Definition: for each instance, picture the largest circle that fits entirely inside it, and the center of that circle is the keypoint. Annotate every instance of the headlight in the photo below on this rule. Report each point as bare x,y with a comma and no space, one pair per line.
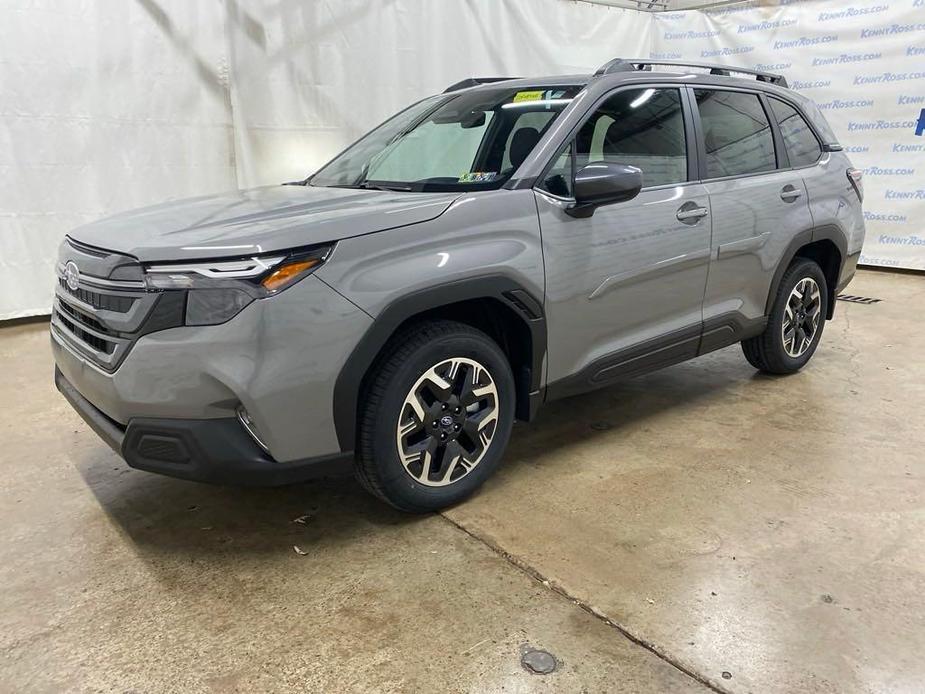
220,289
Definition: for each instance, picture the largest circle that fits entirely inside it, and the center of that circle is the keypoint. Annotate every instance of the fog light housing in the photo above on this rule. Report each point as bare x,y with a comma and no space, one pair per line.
251,428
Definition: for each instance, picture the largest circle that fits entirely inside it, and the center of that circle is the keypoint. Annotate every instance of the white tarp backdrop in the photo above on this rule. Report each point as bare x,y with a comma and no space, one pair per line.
107,105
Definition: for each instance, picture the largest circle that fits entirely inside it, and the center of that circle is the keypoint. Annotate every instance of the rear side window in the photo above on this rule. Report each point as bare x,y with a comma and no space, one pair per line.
736,132
638,127
802,146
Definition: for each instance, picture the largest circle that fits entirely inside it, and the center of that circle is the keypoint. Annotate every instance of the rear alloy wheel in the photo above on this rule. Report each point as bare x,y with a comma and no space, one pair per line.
801,317
796,321
435,417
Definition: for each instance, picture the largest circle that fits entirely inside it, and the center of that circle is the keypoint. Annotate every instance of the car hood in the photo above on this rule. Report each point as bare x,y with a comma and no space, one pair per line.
259,220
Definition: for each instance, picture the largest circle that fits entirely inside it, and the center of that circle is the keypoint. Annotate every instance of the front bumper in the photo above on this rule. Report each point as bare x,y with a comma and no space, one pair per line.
217,451
279,358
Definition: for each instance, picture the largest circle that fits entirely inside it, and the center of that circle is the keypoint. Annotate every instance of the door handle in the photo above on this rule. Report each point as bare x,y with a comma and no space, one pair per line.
789,194
686,214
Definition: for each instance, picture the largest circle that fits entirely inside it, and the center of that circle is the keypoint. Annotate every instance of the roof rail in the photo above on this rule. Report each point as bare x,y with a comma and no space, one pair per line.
645,64
474,82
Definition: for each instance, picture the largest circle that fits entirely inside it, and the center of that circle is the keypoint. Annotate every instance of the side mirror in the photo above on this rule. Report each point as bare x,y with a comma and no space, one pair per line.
601,183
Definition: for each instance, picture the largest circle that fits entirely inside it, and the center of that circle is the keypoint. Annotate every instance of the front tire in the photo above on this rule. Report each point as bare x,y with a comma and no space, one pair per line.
795,325
436,417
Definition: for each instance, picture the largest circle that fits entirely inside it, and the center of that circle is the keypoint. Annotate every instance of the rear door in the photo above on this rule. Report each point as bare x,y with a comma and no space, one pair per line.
624,287
758,205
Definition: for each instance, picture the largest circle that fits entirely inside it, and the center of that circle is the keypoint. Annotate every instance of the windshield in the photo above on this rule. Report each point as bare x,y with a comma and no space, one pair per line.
469,141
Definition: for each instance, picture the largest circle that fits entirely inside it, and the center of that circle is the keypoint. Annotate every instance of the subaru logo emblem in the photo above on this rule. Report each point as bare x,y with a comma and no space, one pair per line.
446,420
71,275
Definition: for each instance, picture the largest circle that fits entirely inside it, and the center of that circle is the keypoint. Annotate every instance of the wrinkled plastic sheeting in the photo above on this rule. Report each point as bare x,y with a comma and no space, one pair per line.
311,77
105,105
112,104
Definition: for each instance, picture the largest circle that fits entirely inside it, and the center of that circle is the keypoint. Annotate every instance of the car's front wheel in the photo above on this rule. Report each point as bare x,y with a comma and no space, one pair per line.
796,321
435,417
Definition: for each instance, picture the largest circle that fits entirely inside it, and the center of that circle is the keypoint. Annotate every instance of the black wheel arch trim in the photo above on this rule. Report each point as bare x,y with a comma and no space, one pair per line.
804,238
494,286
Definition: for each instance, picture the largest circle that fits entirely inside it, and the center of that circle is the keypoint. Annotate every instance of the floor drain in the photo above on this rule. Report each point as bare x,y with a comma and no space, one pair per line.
538,662
858,299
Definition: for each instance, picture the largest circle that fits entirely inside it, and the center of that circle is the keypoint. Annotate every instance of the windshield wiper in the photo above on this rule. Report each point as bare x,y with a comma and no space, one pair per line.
366,185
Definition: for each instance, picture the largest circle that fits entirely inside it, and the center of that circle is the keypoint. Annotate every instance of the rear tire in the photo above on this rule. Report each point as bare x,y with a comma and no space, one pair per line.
435,417
796,322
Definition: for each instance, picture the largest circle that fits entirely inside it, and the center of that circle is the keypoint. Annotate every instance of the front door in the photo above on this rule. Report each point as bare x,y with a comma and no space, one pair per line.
624,287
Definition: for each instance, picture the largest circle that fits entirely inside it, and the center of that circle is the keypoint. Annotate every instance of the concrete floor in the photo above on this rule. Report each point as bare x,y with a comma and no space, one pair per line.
703,528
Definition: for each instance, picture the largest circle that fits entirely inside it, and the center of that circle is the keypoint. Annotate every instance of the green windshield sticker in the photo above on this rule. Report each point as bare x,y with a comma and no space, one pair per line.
478,177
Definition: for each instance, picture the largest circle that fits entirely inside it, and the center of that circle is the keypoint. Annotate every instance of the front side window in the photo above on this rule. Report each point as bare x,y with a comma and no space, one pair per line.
802,146
560,177
637,127
457,142
736,132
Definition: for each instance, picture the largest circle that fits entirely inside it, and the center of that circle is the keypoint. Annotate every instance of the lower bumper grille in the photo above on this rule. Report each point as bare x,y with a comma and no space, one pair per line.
98,344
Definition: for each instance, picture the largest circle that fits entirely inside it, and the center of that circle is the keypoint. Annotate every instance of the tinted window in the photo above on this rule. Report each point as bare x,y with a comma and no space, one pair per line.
558,180
802,146
639,127
736,132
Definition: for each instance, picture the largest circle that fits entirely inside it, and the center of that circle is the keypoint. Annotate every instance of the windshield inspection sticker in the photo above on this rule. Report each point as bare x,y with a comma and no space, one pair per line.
528,96
478,177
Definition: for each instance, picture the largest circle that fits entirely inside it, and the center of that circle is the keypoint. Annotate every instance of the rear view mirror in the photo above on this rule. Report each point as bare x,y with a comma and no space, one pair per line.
476,119
602,183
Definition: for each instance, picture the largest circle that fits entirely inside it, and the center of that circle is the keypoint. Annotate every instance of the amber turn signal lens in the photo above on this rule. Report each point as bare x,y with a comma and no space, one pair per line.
289,272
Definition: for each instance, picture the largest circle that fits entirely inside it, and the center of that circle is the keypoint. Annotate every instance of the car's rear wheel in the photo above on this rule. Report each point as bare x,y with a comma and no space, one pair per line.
436,416
795,325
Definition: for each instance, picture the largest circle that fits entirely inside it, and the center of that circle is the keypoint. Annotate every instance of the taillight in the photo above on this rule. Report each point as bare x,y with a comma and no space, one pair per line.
855,176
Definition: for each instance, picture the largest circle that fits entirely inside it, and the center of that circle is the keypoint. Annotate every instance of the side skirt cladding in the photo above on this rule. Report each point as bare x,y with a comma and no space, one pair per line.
658,353
515,300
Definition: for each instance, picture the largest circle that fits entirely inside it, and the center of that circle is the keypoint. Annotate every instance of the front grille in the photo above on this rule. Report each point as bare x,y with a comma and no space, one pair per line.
105,302
109,309
97,343
76,316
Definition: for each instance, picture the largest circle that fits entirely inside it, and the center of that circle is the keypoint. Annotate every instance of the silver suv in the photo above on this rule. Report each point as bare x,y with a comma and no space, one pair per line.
486,250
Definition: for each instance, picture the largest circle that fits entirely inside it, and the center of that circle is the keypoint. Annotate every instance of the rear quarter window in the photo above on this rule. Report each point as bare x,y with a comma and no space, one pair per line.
803,148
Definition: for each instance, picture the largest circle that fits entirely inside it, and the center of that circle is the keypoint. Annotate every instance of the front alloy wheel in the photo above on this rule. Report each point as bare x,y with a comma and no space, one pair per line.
435,417
448,421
